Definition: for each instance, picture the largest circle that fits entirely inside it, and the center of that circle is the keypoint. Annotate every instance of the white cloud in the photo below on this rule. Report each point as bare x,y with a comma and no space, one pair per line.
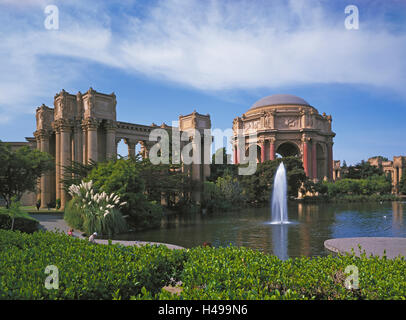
208,45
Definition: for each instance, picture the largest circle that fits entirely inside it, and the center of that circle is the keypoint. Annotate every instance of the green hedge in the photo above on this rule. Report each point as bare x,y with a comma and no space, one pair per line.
240,273
86,270
89,271
23,223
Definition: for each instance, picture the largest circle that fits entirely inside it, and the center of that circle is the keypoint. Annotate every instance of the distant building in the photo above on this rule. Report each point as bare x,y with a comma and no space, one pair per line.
394,169
289,126
83,127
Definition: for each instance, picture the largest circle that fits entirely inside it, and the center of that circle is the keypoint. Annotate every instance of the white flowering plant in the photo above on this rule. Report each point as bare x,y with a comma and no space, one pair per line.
100,212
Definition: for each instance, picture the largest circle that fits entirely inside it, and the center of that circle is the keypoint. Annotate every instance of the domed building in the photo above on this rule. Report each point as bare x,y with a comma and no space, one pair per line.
286,125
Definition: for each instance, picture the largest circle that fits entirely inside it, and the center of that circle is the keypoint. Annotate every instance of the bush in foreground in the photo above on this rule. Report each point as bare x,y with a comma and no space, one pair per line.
86,270
90,211
89,271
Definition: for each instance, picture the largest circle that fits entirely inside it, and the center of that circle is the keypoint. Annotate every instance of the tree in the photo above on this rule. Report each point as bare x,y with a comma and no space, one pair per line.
14,210
221,169
76,172
20,170
123,178
258,186
402,184
165,180
362,170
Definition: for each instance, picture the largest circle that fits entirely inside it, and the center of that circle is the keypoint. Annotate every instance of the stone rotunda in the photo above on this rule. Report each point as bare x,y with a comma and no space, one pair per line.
286,125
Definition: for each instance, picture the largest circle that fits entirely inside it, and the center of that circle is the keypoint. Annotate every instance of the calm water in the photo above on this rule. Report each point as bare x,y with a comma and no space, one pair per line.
311,225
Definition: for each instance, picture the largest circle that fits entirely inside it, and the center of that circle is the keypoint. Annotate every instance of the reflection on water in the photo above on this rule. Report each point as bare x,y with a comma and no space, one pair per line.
280,241
314,223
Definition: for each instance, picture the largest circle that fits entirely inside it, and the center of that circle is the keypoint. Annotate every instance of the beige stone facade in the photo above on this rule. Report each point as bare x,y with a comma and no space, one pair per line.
289,126
83,127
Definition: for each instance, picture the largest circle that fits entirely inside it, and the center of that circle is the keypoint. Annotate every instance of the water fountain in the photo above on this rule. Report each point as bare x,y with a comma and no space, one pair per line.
279,203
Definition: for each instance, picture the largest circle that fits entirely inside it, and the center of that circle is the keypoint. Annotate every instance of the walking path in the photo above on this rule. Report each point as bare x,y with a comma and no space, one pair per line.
372,245
55,222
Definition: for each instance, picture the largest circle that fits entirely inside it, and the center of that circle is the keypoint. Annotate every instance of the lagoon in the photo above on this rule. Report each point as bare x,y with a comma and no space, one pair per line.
312,224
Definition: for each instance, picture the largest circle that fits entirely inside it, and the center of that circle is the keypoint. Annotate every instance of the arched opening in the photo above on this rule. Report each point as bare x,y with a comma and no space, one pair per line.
138,148
321,162
287,149
122,149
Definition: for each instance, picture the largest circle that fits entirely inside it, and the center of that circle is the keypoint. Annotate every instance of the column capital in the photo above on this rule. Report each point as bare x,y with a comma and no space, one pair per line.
330,142
62,125
42,134
130,142
90,124
271,139
110,125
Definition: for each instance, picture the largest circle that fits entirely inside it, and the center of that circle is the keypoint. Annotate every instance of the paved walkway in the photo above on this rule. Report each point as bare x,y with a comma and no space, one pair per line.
55,222
372,245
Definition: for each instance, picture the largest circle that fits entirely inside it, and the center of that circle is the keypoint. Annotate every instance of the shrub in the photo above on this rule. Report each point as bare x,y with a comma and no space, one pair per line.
123,178
240,274
73,214
86,270
89,271
95,212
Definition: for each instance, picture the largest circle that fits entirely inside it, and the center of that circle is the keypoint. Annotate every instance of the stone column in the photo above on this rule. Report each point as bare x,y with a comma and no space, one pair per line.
262,151
66,155
111,147
77,144
330,160
92,147
314,159
57,163
84,143
38,140
272,149
131,147
395,176
306,155
45,178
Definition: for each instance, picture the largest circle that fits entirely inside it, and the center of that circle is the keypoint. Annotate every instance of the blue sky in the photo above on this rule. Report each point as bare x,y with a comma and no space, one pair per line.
166,58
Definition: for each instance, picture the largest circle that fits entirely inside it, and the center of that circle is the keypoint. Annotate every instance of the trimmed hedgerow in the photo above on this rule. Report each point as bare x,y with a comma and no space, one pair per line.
86,270
89,271
240,273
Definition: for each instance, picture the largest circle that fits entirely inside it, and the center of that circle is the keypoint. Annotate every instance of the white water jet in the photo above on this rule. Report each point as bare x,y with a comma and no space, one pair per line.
279,202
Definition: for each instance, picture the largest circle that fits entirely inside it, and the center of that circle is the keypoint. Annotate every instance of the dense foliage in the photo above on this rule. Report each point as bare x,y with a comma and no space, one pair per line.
257,187
372,185
75,172
402,184
223,195
90,271
90,211
361,170
123,178
165,182
20,169
86,270
240,273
